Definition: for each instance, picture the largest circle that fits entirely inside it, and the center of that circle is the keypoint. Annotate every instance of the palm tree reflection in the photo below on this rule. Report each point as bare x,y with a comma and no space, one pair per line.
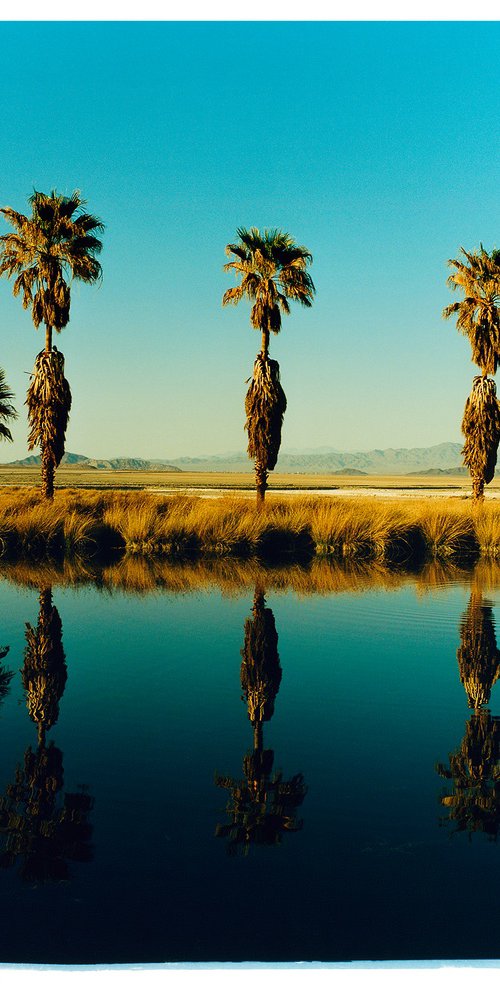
474,804
43,826
44,673
262,805
5,674
478,656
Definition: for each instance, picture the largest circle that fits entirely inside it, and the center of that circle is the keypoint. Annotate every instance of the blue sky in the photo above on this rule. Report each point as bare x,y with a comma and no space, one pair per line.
373,144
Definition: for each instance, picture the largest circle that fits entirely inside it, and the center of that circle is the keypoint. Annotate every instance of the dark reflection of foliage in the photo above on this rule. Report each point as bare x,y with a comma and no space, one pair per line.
262,805
42,825
44,673
478,656
5,674
44,834
474,804
260,669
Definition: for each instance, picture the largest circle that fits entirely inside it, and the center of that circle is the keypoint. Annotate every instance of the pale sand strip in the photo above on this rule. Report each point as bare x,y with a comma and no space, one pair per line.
387,493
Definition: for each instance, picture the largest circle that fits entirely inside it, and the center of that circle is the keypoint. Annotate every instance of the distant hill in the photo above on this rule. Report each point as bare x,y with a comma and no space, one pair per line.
454,471
383,461
349,472
443,458
73,459
69,458
130,464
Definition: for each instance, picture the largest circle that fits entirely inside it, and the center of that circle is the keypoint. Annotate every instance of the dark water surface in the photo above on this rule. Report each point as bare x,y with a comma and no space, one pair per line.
226,778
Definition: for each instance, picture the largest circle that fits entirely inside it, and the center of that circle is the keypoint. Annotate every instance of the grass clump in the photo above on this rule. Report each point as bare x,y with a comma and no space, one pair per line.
85,523
448,530
361,529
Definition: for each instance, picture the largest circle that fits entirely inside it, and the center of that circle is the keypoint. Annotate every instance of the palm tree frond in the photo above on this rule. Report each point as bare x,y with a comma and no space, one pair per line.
57,240
7,410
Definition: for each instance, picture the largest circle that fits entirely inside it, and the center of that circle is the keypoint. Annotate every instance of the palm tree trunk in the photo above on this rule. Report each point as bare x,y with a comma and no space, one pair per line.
257,736
477,488
47,474
41,734
48,467
261,475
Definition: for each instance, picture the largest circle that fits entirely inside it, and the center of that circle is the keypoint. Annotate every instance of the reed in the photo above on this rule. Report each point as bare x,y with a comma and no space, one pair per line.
448,529
83,523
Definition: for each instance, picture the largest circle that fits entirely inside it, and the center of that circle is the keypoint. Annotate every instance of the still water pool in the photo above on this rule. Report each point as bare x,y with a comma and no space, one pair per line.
259,775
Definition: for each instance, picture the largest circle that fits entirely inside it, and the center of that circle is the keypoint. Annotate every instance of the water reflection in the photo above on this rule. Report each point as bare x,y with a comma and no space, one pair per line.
43,827
262,805
144,575
5,673
474,804
478,656
44,673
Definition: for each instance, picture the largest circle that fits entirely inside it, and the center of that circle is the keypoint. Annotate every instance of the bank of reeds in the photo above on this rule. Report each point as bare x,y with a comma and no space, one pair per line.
85,524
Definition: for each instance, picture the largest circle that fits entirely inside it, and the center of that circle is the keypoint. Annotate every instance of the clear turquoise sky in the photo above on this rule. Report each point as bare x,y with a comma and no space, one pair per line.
374,144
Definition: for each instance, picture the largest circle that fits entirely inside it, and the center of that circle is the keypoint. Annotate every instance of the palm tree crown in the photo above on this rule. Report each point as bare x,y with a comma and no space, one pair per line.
273,271
7,410
57,241
478,314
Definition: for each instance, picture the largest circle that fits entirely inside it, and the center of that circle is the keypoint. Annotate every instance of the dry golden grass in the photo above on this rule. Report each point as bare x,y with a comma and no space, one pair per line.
82,523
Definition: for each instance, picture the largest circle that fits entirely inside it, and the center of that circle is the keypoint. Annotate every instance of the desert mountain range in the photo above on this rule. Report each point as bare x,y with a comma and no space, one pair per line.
444,458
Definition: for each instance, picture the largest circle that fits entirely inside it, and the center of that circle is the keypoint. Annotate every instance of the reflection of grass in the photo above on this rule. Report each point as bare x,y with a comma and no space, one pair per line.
232,576
80,522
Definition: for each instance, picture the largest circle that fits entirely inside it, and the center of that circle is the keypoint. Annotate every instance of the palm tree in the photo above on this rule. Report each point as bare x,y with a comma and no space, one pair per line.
272,268
7,410
55,243
478,318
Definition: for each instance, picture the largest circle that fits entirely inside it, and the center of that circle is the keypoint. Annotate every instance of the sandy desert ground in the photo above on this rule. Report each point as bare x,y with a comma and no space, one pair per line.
216,484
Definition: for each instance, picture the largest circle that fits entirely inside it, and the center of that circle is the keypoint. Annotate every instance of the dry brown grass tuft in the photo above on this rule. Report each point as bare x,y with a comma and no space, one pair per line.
448,527
80,523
